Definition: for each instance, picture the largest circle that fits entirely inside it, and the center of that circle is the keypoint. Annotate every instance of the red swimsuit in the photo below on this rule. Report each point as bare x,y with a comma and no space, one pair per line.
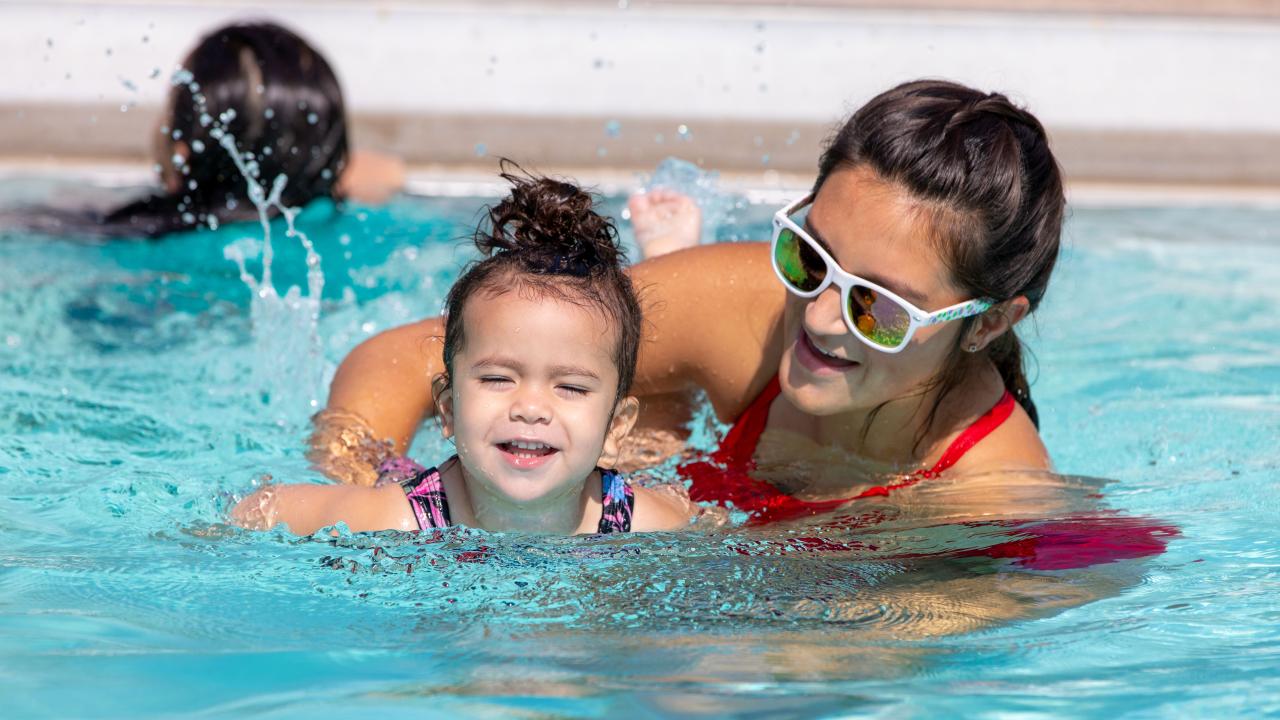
1044,545
726,476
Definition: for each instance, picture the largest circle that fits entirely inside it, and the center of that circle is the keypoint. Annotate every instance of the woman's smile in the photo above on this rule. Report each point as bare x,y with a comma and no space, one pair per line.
815,359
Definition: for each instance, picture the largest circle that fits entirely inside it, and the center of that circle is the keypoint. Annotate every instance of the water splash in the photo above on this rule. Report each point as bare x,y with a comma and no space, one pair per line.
288,359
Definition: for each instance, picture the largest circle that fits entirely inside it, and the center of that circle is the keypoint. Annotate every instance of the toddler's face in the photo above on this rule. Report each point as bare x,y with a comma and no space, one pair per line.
532,395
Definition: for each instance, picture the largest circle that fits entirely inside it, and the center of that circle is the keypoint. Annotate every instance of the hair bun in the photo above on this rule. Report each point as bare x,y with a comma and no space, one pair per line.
551,225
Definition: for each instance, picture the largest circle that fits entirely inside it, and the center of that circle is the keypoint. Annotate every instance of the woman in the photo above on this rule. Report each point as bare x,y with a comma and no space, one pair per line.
280,100
874,334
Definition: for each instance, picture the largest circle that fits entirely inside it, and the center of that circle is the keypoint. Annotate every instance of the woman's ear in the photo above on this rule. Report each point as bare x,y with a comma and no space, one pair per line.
996,321
625,414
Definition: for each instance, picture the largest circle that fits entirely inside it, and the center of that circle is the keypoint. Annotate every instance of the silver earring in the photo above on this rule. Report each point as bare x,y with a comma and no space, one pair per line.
973,347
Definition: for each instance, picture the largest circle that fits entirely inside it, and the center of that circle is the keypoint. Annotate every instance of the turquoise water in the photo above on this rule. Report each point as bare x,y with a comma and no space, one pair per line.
131,409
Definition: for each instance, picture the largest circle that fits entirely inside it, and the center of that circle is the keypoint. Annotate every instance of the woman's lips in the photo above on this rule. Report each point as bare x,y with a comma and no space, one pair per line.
813,359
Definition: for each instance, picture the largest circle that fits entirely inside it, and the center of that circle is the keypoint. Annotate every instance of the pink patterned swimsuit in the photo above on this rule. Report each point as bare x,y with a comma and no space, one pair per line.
425,492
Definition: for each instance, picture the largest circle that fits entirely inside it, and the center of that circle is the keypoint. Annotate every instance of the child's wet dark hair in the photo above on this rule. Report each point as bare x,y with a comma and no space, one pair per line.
547,239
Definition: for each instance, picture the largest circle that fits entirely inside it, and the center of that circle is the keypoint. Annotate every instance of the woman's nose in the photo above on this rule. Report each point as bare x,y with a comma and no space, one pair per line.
824,315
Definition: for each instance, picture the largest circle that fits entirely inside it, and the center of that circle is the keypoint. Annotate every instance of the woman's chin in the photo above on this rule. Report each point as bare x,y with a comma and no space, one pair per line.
816,395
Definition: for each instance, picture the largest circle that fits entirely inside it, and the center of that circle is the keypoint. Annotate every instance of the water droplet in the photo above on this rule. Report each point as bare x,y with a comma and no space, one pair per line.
177,160
108,51
48,42
192,184
598,64
176,134
146,39
312,118
793,137
613,128
261,88
481,149
266,150
760,48
188,218
684,133
213,221
197,146
269,113
67,76
155,73
157,168
124,108
327,174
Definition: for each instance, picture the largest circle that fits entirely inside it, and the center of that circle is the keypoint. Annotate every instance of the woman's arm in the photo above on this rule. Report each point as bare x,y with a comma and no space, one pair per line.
712,321
307,508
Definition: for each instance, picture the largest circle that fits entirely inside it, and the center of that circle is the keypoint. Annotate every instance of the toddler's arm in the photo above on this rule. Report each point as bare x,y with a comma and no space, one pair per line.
661,509
307,508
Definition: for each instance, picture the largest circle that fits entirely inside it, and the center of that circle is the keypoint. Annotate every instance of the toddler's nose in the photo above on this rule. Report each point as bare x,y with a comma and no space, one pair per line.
530,407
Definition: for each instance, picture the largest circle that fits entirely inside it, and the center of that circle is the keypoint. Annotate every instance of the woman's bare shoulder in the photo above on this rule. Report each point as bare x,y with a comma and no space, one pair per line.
1015,445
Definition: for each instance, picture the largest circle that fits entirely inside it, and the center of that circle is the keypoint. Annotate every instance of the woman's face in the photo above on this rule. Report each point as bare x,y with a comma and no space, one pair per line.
875,230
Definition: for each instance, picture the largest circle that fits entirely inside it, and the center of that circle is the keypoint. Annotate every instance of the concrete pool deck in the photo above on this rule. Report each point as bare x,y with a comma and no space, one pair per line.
1143,99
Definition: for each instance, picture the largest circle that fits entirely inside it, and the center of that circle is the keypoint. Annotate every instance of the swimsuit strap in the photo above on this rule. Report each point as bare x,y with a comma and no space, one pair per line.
617,503
739,444
971,436
974,434
422,487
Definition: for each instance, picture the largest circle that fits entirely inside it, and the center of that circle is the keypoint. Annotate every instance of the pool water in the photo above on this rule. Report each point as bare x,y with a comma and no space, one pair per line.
133,407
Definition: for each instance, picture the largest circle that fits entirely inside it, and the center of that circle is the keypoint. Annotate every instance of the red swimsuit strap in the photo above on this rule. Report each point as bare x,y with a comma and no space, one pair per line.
739,444
974,434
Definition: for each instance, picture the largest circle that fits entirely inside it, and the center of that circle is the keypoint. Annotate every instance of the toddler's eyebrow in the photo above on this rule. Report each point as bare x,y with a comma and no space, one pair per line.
516,366
562,370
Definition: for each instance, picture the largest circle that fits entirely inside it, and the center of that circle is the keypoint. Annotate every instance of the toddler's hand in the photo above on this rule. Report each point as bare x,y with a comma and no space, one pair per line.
664,221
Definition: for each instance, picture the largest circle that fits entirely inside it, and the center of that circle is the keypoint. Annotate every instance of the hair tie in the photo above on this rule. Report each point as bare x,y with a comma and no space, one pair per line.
563,265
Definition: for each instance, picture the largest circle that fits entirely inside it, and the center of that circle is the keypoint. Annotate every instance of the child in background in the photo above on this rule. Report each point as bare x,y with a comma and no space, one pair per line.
540,345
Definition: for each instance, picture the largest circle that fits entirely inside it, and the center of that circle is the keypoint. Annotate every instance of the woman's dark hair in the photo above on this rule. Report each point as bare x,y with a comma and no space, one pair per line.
982,168
287,112
546,238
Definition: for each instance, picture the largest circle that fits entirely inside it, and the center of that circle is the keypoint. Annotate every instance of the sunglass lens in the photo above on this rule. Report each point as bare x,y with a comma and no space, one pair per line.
877,318
801,266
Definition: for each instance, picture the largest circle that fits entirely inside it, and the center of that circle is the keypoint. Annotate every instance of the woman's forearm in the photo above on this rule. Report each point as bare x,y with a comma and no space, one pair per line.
378,399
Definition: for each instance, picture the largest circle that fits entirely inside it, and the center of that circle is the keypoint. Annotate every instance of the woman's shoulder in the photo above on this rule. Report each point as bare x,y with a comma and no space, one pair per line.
1014,445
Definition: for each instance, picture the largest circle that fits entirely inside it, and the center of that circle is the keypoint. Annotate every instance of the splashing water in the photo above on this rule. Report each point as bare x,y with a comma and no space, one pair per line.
289,362
703,186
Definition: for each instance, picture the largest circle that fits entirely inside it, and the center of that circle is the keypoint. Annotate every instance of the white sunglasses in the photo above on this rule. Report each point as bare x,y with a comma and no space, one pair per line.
874,314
